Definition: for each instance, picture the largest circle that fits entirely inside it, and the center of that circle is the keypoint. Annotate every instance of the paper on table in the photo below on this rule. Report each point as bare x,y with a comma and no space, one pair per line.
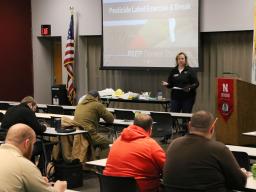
178,88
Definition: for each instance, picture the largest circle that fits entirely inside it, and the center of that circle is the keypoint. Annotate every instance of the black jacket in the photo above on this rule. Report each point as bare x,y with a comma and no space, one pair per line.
22,114
187,79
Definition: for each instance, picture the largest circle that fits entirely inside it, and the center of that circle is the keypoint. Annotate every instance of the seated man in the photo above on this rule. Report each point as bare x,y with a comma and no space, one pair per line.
17,172
195,163
88,114
25,113
136,154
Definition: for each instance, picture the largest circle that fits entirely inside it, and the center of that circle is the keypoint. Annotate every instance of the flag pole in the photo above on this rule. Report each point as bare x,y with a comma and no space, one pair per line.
69,59
71,9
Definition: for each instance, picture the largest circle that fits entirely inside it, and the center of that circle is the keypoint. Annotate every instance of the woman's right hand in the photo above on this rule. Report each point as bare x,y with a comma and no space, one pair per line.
164,83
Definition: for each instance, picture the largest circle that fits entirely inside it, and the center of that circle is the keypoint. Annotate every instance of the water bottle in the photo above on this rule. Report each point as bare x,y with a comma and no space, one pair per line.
159,95
55,100
56,122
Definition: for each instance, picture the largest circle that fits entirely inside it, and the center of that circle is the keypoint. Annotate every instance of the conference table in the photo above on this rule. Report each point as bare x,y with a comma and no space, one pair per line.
50,131
98,163
116,121
69,190
163,102
49,116
68,109
252,133
72,108
118,124
106,100
101,163
43,107
173,114
251,151
251,184
11,102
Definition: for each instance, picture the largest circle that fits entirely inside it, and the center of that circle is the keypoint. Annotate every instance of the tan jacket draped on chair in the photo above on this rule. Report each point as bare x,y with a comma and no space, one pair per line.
74,147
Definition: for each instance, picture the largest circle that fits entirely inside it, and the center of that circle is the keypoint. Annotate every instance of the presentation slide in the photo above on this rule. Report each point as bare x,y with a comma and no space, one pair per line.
149,33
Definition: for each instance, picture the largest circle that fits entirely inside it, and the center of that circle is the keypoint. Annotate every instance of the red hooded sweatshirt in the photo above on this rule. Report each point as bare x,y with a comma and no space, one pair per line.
136,154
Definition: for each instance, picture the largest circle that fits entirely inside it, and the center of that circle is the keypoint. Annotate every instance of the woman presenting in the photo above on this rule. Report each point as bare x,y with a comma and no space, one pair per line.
183,83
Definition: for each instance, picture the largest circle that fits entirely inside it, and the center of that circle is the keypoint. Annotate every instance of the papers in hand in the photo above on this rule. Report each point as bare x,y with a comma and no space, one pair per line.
177,88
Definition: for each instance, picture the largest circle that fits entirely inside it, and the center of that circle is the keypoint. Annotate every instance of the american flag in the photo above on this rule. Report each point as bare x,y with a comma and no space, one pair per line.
69,61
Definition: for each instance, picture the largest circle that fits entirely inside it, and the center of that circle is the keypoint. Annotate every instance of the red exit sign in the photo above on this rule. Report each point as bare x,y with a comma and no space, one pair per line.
45,30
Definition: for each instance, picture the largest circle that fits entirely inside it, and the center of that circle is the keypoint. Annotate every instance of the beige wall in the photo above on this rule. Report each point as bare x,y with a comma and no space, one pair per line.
222,52
56,13
88,17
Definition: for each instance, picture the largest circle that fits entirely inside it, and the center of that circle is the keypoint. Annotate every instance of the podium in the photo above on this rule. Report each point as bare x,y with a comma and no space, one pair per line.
236,110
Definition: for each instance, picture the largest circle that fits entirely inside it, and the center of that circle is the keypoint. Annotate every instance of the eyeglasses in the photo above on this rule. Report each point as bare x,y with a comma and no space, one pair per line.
214,122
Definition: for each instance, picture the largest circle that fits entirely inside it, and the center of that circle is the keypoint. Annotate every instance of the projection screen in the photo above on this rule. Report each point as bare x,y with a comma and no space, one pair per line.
149,33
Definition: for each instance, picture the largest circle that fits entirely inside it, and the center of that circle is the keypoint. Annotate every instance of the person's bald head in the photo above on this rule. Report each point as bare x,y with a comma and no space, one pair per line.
18,133
201,121
23,137
144,121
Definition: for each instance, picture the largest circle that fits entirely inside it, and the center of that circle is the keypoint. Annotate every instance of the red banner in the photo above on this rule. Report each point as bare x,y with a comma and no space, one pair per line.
225,97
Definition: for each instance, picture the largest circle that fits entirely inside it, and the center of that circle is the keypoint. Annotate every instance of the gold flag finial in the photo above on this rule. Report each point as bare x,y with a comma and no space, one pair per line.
71,8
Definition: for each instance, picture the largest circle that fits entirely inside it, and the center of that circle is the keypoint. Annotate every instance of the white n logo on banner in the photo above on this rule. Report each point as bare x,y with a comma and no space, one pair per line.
225,88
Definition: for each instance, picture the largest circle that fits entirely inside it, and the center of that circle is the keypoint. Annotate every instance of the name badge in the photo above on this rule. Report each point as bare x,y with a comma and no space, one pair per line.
176,75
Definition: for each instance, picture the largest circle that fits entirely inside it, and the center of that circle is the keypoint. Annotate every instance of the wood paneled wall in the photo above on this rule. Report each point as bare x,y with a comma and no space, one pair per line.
16,78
